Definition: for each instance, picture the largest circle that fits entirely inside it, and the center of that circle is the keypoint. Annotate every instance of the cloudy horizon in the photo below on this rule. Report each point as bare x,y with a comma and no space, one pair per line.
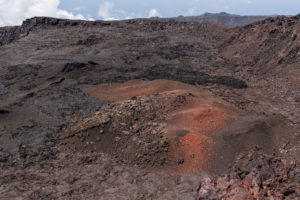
13,12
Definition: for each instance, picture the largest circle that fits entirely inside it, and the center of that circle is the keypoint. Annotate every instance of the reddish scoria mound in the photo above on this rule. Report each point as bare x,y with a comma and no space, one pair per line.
170,128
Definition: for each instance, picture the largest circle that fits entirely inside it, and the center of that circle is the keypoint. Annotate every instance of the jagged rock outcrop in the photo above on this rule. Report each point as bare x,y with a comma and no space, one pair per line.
265,178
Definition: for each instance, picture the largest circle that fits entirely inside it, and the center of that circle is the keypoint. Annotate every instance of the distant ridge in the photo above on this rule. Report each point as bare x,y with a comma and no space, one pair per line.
223,18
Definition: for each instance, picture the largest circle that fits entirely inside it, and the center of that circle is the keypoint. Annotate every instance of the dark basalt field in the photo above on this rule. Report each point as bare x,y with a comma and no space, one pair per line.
150,109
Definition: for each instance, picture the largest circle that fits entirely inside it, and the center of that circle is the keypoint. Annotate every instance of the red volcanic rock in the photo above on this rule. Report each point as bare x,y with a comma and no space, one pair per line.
265,178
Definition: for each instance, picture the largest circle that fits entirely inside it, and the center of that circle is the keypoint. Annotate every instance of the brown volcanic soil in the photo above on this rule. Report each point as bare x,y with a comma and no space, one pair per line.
141,109
129,89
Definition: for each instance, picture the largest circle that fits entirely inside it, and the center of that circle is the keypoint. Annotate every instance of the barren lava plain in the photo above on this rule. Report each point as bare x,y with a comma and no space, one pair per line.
150,109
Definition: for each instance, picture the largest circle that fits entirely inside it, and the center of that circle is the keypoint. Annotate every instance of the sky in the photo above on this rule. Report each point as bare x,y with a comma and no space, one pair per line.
13,12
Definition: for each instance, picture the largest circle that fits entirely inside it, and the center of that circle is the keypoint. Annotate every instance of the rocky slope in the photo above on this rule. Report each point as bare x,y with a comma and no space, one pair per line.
143,109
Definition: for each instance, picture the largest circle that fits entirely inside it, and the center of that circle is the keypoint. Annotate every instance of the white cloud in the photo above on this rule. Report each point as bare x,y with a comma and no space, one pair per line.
90,17
129,17
134,16
105,11
78,8
190,12
13,12
153,13
226,8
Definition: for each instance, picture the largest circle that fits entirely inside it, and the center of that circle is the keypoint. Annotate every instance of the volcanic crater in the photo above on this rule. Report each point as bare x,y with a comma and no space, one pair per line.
148,108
